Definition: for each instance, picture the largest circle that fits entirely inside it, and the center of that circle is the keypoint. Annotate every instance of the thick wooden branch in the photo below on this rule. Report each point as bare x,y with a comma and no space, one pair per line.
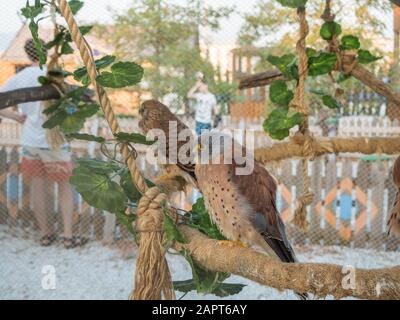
369,79
294,147
46,92
315,278
358,72
15,97
260,79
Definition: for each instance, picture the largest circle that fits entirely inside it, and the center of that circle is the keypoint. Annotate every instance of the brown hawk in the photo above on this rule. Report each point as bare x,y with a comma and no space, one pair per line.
242,206
155,115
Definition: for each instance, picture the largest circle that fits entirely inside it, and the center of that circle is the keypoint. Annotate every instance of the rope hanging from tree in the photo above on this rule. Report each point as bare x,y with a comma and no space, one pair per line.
299,104
152,277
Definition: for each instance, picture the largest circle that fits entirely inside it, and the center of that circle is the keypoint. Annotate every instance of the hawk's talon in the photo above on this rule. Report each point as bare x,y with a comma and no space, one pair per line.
231,243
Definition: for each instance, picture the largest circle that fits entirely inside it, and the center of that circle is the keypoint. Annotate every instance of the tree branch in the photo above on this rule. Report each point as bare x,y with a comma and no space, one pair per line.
369,79
294,147
46,92
358,72
15,97
316,278
260,79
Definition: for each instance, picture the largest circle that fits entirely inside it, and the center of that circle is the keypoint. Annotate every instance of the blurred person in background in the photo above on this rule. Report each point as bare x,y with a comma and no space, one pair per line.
41,164
205,104
174,102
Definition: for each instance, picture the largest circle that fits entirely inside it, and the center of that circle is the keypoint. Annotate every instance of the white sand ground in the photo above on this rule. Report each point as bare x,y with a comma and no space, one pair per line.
99,272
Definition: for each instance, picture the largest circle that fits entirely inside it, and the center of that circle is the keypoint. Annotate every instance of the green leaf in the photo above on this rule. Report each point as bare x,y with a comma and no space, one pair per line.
293,3
330,29
31,12
99,166
44,80
126,220
185,285
54,107
319,92
86,137
228,289
279,93
311,52
330,102
133,138
98,190
34,28
76,93
343,77
278,123
59,73
72,123
81,74
200,220
123,74
171,231
350,42
129,187
55,120
206,282
87,110
321,64
69,122
75,6
57,39
365,57
287,64
66,48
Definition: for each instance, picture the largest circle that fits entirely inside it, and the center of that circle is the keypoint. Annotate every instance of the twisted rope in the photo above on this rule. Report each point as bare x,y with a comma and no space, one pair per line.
152,277
153,258
299,104
105,103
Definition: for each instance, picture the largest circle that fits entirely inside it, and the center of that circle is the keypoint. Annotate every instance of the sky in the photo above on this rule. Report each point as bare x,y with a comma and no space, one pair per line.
97,11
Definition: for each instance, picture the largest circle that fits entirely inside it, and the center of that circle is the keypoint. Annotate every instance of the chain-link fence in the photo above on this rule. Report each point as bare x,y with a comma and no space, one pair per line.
40,210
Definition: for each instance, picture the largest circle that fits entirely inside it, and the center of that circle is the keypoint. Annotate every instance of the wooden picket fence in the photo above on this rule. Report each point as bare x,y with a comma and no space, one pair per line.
353,194
353,197
352,202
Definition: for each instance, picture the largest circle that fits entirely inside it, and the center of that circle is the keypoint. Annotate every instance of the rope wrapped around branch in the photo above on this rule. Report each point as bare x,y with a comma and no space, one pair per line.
151,243
318,147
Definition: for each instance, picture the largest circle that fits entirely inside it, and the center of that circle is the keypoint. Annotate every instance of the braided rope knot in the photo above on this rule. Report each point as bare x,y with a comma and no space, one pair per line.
152,277
311,147
300,215
310,152
150,211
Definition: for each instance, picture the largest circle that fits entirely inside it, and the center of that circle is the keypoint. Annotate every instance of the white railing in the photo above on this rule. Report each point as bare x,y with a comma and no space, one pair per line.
368,126
351,126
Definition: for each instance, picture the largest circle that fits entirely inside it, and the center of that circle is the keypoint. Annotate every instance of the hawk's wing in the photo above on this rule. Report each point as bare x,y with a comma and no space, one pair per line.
259,189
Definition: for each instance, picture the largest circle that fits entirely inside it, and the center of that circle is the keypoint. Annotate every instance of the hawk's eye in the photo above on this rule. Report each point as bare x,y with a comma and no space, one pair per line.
141,111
